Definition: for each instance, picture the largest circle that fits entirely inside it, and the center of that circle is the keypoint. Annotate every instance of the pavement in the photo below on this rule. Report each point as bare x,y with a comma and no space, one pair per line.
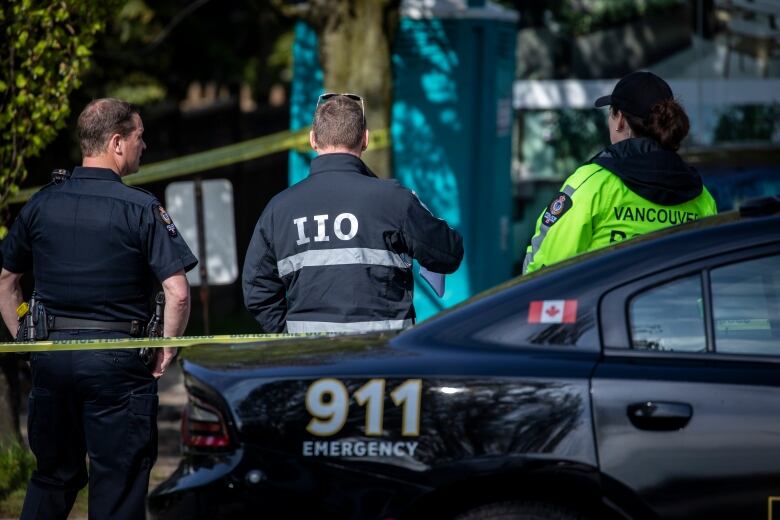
173,398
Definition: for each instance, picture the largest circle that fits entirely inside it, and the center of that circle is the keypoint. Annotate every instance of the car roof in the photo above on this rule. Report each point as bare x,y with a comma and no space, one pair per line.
648,253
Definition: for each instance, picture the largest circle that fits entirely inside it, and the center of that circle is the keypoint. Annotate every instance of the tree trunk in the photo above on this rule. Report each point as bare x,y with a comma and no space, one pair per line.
355,40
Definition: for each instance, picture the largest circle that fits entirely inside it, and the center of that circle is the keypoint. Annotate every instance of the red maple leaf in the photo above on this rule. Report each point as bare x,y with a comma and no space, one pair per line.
552,311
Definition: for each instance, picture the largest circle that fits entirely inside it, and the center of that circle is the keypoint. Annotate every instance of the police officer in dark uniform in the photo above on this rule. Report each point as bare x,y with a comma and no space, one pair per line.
333,253
97,249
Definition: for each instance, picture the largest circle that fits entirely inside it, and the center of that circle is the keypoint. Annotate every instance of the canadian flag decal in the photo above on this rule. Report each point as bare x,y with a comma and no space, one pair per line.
552,311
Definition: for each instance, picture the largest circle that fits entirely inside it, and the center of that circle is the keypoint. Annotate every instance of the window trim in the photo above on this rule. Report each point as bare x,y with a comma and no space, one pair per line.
619,352
613,309
709,323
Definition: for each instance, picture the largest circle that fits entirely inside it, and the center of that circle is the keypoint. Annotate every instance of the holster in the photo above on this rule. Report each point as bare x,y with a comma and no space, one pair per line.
34,326
154,329
40,321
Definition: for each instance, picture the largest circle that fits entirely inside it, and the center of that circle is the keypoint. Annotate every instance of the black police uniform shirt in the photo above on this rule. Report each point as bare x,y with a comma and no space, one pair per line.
332,253
96,247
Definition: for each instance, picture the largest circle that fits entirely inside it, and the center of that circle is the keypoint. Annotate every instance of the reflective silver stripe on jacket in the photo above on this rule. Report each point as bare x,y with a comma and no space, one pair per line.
357,326
344,256
536,241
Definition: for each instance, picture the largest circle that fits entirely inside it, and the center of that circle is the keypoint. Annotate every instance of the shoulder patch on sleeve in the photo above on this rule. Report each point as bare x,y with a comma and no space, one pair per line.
165,219
555,210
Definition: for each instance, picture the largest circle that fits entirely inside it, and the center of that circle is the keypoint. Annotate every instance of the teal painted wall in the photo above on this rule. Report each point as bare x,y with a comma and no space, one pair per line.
306,88
451,133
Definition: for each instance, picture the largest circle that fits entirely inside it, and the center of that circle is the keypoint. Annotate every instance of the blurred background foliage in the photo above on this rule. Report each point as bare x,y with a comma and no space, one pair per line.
749,123
48,51
557,142
153,51
577,17
16,466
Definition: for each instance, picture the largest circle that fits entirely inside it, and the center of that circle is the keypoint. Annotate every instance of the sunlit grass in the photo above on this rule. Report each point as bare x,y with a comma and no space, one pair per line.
16,466
11,506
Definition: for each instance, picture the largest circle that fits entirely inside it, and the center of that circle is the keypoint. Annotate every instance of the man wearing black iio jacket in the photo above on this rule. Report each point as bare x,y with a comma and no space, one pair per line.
333,252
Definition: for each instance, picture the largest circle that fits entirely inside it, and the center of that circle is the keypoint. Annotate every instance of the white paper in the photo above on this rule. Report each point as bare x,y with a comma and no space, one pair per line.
435,280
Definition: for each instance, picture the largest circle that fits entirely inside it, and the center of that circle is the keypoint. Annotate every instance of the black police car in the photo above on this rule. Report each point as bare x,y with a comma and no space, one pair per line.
639,382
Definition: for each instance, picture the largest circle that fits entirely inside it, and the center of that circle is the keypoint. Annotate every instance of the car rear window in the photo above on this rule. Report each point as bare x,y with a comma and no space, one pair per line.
746,307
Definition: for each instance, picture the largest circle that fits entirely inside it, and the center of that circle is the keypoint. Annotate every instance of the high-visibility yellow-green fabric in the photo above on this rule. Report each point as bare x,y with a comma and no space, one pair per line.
602,210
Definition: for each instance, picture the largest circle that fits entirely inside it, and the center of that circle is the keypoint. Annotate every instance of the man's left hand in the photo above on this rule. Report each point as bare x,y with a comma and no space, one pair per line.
164,357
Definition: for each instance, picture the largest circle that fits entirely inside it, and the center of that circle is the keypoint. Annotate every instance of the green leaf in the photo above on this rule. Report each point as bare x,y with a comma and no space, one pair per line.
40,47
21,81
3,86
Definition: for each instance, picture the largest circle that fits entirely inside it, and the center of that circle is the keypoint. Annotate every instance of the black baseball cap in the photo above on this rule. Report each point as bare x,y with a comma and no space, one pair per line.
636,93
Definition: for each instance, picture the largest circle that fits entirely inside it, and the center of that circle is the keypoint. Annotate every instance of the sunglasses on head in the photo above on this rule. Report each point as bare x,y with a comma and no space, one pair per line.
354,97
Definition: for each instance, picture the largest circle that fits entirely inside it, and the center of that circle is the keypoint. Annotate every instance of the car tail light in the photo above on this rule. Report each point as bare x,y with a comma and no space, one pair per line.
203,426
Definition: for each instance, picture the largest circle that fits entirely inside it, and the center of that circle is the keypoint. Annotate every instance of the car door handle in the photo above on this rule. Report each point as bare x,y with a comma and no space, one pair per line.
660,415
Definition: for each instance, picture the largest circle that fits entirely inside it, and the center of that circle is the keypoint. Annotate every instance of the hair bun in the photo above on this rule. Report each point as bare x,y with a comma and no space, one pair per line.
668,124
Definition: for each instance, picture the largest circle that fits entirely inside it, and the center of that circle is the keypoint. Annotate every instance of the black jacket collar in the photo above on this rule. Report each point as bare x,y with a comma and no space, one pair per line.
103,174
339,162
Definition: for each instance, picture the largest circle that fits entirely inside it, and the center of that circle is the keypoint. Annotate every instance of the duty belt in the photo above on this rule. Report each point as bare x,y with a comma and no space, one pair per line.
135,328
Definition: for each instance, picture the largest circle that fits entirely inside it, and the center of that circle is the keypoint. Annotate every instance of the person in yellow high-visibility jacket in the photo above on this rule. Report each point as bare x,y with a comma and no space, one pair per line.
637,185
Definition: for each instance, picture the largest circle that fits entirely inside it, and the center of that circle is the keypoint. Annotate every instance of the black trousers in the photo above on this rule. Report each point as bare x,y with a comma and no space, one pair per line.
101,403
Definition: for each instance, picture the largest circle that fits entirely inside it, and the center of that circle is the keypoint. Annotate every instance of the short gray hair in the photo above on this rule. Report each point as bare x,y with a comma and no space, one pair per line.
339,122
100,120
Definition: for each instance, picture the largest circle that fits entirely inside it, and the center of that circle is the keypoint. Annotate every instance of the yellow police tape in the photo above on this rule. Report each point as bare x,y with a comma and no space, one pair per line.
182,341
222,156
